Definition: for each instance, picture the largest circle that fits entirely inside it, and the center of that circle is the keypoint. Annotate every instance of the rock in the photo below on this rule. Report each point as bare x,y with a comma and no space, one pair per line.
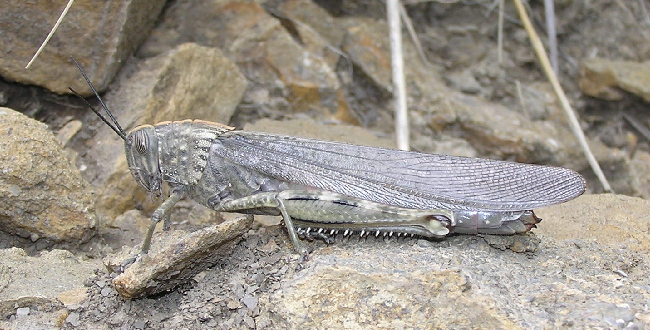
540,103
318,30
189,82
523,243
367,45
618,169
127,229
504,134
100,37
22,312
603,78
37,282
304,79
464,81
175,258
607,220
41,193
641,177
349,290
65,134
73,298
310,129
463,48
73,319
310,83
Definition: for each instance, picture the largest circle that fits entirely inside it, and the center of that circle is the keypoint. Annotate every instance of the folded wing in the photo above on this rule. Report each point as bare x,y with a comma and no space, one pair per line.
402,178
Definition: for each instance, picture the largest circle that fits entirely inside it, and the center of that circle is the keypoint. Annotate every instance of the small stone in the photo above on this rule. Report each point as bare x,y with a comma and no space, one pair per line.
176,257
41,195
604,78
250,322
250,301
73,319
107,291
423,243
231,304
140,324
72,299
22,311
68,131
464,81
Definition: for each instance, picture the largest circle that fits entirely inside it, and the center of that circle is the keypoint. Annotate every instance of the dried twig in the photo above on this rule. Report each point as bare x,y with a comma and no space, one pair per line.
522,100
399,85
500,31
564,101
56,26
549,6
411,30
637,126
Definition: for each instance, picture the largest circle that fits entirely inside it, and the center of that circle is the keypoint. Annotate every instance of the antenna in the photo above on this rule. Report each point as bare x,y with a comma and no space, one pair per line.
113,124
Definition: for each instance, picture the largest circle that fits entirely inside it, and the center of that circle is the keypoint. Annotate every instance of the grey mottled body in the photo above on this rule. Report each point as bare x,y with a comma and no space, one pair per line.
331,186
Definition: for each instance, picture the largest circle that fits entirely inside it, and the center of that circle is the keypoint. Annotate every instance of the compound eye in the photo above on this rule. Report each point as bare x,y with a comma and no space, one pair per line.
141,142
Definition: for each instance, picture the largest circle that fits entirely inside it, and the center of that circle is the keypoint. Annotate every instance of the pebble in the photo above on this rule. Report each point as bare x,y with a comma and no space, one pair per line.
140,324
73,319
250,301
107,291
22,311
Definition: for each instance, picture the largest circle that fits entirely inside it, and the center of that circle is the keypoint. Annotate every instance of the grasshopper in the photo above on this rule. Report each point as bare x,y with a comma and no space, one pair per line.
320,188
